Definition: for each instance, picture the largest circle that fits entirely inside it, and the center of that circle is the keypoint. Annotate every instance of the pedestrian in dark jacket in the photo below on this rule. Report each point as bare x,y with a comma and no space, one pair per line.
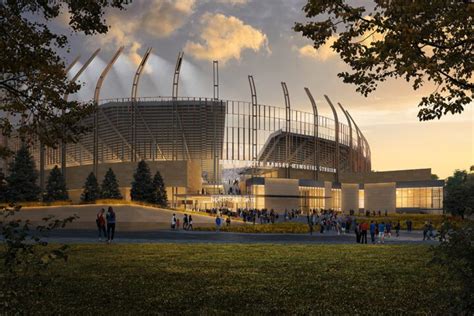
100,221
111,219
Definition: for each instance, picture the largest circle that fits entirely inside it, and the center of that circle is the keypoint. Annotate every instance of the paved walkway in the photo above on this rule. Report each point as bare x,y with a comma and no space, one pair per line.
167,236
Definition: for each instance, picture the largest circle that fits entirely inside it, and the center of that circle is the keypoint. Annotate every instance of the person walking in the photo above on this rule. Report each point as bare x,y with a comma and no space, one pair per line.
190,222
100,221
382,233
372,231
227,221
397,229
310,224
185,222
363,232
111,219
173,221
425,230
218,223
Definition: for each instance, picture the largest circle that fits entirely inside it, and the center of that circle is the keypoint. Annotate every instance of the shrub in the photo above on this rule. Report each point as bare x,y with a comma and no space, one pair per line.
91,190
56,187
110,186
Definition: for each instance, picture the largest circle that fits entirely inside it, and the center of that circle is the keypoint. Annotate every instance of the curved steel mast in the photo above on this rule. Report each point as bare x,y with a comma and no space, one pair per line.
336,121
316,134
288,127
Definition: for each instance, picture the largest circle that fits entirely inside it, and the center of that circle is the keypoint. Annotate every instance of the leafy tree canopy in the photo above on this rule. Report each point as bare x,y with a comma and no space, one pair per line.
33,79
110,186
56,189
460,193
420,41
22,178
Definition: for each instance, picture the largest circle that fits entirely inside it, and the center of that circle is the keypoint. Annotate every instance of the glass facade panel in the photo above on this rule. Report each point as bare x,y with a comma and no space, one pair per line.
423,198
311,198
336,199
258,192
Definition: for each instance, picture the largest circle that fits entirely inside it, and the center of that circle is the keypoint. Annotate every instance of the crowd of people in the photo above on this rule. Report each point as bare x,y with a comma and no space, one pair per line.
187,222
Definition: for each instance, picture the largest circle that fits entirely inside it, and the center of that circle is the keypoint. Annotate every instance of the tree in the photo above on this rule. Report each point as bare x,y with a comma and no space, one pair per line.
91,190
110,187
22,177
56,187
459,189
33,80
420,41
142,185
3,187
160,190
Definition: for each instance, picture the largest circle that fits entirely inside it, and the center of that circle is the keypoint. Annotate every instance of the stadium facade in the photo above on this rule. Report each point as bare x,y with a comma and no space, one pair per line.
220,153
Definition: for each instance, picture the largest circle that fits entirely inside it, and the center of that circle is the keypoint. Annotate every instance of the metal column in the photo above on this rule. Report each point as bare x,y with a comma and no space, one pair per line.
215,76
174,94
66,97
136,80
359,139
288,127
351,167
253,93
337,154
96,114
316,134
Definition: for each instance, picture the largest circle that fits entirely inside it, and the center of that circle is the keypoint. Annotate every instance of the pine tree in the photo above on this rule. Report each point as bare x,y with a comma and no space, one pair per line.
110,187
3,187
159,189
91,189
56,187
22,178
142,185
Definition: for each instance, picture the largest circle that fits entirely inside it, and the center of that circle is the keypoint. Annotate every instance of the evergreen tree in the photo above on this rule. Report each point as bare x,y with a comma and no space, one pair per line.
159,189
3,187
56,187
22,178
142,185
91,189
110,187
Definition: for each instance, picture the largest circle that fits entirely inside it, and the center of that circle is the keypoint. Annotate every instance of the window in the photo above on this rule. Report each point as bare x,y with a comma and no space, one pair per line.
311,198
423,198
361,199
336,199
258,191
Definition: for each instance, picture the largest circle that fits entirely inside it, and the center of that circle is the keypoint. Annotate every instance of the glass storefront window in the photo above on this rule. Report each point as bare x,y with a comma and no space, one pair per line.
361,199
311,198
336,199
423,198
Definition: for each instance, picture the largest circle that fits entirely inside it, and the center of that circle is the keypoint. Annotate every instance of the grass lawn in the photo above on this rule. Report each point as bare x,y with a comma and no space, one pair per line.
243,279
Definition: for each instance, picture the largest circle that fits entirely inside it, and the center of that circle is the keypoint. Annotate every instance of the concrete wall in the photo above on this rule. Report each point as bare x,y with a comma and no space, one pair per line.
380,196
387,176
287,188
183,174
349,197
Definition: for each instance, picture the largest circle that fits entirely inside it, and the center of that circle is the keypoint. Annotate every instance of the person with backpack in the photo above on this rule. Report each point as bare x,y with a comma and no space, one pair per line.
218,223
100,221
111,219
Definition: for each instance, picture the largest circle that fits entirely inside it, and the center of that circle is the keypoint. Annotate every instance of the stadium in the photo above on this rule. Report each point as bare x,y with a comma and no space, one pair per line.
214,152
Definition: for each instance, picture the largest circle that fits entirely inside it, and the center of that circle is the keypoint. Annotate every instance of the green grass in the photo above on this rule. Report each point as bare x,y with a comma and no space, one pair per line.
243,279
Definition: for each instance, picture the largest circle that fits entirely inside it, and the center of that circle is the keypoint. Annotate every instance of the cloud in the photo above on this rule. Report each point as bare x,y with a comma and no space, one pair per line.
323,53
158,19
233,2
224,38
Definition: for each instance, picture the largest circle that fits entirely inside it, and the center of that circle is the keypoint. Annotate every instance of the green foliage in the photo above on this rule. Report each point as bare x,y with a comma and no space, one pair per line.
419,41
33,74
91,190
161,197
110,186
142,185
459,189
26,258
3,187
456,253
56,187
22,178
246,279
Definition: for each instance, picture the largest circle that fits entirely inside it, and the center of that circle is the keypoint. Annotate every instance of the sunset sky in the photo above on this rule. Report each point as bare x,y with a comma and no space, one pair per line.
256,37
